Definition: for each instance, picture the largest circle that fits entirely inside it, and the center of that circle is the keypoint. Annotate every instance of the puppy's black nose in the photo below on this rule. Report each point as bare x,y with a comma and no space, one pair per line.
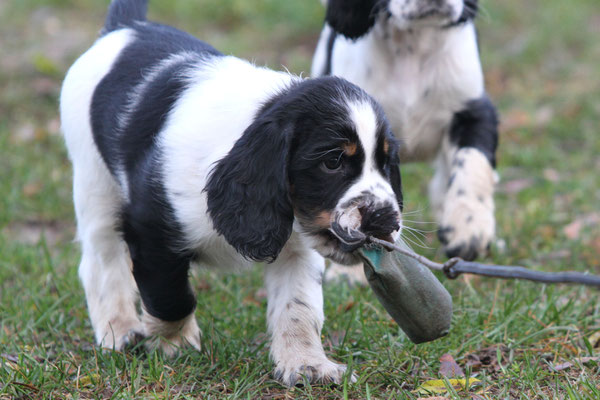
379,221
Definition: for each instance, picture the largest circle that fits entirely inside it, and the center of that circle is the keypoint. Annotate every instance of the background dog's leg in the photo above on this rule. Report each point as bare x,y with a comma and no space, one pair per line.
105,268
295,318
462,191
168,302
467,223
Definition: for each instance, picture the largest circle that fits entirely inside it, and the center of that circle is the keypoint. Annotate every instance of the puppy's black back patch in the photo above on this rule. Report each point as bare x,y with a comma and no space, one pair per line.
132,102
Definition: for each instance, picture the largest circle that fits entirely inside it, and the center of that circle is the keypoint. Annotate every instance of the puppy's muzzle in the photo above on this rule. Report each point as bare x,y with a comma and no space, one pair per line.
353,226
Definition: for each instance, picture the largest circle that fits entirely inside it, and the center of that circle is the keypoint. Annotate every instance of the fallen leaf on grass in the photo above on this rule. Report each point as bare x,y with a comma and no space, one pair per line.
594,339
573,230
569,364
342,308
439,385
10,357
552,175
88,380
515,119
487,358
516,185
261,293
433,398
45,65
203,286
449,368
32,188
595,244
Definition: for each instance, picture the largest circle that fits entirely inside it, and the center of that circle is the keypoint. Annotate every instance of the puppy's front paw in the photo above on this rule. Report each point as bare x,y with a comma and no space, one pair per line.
120,333
323,371
170,336
468,225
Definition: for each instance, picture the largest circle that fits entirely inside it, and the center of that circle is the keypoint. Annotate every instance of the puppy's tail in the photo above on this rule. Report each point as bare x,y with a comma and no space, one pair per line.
123,13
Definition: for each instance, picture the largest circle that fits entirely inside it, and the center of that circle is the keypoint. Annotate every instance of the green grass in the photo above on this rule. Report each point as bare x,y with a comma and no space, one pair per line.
541,60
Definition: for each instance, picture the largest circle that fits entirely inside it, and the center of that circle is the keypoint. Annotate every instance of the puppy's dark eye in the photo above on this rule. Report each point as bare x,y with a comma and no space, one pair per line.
333,164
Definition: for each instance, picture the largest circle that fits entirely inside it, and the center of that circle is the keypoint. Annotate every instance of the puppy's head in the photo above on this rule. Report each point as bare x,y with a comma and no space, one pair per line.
354,18
318,154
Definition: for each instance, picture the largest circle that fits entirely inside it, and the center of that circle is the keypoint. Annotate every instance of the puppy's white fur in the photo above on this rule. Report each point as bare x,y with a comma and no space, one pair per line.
105,268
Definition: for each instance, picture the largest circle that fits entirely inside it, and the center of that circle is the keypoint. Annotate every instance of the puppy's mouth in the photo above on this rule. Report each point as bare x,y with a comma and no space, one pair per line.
353,233
437,13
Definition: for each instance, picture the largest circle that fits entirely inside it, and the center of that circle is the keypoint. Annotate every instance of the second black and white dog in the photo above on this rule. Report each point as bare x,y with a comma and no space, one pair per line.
419,59
181,154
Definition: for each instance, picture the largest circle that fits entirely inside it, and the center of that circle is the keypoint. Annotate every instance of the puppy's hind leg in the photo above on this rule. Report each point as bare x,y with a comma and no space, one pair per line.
161,274
105,268
295,318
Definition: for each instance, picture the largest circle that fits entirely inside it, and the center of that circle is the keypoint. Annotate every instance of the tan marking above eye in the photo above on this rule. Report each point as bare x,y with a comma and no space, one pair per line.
349,148
386,146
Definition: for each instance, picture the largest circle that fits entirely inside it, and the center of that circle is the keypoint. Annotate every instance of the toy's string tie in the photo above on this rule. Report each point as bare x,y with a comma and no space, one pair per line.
454,267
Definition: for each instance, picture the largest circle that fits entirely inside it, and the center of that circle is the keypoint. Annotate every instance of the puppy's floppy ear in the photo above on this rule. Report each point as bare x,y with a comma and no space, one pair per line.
353,18
396,182
248,193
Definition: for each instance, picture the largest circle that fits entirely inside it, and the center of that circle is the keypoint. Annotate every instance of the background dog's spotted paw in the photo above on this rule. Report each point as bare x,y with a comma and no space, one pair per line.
467,230
467,222
324,372
468,251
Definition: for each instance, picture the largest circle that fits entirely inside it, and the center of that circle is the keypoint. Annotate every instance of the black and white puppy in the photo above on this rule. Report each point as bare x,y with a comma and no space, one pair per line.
181,155
419,59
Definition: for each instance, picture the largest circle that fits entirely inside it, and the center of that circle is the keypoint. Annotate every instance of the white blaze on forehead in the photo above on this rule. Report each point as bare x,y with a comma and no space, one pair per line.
365,123
371,180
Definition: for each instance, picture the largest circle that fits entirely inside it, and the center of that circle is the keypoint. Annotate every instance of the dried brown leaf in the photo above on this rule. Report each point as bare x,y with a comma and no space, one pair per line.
449,368
433,398
261,293
581,360
552,175
562,366
487,358
515,119
516,185
32,188
594,339
573,230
